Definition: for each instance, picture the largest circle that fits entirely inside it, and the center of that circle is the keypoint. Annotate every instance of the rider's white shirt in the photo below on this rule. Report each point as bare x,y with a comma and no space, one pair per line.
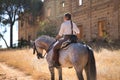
65,28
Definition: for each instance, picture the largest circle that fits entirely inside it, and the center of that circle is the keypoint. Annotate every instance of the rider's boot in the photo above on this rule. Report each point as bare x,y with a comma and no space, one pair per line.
56,59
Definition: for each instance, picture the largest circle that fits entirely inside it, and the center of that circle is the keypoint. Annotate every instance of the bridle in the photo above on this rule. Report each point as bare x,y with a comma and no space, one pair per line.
39,55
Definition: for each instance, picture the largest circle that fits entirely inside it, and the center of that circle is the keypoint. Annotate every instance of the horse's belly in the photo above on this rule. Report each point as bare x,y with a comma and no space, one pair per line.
66,64
64,60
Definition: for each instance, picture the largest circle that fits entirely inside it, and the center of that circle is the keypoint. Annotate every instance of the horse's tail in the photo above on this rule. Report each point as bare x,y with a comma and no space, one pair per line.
91,66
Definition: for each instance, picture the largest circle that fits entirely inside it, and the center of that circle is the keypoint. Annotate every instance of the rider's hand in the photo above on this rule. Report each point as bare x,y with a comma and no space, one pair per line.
57,37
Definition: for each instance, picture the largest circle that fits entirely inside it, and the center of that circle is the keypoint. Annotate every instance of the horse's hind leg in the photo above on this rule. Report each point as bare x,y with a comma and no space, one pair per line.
87,72
79,73
51,69
59,72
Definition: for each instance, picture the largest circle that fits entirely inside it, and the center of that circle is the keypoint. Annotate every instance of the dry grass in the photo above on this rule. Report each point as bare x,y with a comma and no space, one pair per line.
25,61
107,62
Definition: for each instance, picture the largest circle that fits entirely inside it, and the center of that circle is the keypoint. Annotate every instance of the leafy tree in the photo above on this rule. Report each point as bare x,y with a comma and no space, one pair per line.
47,28
13,10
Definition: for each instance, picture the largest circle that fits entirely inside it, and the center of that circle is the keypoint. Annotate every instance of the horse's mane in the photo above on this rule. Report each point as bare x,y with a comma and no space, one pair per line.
46,39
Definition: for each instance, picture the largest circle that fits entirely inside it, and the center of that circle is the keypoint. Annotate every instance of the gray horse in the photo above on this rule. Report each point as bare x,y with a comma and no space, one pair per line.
76,55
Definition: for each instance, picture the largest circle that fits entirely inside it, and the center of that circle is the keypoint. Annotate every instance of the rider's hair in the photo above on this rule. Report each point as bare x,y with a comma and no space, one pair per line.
68,16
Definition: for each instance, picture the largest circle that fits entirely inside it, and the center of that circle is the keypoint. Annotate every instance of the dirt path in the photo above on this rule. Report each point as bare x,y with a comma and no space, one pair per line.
10,73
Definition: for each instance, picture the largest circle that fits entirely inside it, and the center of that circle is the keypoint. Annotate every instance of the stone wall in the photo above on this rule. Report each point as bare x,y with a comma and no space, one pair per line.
88,15
91,17
27,31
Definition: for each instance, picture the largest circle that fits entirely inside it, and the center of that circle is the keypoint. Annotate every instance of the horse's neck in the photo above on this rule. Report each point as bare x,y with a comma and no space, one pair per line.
48,44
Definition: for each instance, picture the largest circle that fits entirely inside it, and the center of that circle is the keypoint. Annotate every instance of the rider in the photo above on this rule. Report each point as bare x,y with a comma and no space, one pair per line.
65,33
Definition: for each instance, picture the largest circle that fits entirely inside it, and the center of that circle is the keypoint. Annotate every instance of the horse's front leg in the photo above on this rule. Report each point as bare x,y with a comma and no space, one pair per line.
51,69
59,72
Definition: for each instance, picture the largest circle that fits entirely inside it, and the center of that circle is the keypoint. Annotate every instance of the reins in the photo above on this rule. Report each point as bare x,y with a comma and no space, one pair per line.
49,48
39,55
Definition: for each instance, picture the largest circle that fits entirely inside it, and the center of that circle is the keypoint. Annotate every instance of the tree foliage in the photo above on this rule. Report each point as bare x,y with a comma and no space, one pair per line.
10,11
48,28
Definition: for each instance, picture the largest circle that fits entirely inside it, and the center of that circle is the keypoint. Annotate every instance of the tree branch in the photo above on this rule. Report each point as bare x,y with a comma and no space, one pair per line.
15,13
3,18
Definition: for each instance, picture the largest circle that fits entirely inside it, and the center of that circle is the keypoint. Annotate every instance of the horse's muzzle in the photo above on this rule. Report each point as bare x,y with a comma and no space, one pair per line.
39,55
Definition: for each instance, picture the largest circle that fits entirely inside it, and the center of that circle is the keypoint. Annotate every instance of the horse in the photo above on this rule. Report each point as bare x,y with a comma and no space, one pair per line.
76,55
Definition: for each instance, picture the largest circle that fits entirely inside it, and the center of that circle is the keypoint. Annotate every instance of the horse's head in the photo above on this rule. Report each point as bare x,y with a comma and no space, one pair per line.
39,50
41,45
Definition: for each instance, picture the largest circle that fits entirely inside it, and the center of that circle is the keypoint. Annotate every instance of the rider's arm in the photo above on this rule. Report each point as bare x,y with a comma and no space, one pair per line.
77,31
60,32
78,36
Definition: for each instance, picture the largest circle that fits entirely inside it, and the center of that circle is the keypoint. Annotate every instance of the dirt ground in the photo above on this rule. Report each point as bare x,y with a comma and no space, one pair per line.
25,66
10,73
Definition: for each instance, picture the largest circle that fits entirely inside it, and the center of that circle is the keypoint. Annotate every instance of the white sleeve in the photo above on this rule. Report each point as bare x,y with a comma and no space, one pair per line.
61,30
76,30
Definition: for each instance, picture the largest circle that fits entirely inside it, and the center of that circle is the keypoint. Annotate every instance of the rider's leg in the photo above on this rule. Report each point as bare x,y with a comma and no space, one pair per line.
56,52
56,55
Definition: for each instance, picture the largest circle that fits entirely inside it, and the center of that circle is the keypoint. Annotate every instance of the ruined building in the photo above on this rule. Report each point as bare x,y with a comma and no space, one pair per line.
95,18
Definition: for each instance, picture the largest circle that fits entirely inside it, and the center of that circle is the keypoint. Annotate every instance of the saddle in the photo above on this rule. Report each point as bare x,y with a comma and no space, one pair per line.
65,44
